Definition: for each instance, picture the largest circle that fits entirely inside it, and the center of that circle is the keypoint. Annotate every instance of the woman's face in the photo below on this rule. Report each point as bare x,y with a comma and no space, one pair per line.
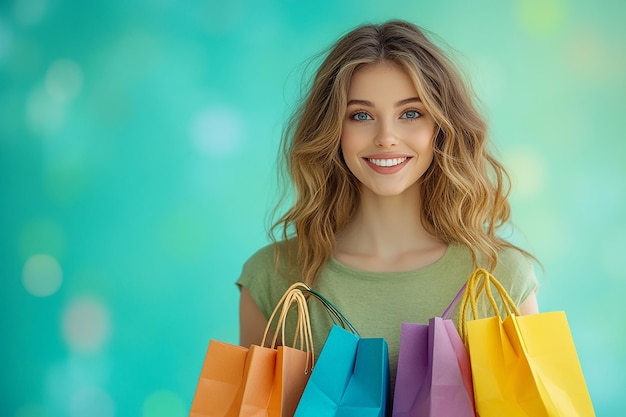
387,137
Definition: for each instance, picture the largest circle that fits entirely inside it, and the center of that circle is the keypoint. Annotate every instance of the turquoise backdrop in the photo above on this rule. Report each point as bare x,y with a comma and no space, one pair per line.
137,161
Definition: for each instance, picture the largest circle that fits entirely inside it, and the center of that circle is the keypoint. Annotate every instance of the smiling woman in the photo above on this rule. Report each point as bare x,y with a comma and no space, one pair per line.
398,198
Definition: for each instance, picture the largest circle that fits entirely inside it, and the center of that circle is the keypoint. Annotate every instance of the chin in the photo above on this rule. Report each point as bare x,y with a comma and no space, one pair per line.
391,192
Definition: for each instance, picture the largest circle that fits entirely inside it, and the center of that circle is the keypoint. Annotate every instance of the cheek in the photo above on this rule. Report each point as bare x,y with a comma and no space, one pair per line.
428,156
349,152
348,144
429,146
425,141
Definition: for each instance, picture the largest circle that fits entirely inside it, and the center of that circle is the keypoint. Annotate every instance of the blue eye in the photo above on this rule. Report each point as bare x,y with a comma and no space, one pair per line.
361,116
411,114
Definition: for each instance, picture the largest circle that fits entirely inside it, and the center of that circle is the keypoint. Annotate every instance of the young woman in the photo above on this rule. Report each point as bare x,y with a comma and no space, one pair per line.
397,197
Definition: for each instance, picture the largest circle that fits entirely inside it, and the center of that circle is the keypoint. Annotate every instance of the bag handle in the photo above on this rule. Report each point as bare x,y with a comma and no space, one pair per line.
303,334
481,280
334,312
448,312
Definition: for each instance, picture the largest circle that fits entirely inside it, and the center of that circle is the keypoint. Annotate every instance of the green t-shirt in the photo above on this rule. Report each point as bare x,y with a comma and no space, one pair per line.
377,303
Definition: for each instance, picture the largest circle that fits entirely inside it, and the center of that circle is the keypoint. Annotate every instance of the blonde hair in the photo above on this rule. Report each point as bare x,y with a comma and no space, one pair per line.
464,191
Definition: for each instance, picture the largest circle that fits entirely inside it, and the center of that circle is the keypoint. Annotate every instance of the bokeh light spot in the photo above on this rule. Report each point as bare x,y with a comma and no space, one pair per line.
527,170
31,410
86,325
541,17
44,115
92,402
6,40
220,17
42,275
589,55
217,132
64,80
29,12
41,235
163,403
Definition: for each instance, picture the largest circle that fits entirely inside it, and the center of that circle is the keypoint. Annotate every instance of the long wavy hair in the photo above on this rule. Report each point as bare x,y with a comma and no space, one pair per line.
464,191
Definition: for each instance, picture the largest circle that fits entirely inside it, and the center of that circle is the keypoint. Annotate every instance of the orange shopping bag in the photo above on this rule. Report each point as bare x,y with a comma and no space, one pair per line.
220,380
274,377
268,381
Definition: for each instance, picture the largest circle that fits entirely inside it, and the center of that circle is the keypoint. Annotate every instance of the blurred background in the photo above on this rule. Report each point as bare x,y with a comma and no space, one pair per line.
137,171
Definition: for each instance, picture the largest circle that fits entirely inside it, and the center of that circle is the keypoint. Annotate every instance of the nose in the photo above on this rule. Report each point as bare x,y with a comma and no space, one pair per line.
386,136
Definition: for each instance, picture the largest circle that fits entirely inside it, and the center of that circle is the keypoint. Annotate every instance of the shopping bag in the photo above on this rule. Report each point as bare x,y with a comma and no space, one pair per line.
522,365
220,379
274,377
434,377
262,380
350,378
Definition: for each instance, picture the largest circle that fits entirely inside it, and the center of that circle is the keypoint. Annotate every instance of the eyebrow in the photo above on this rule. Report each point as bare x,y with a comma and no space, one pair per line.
371,104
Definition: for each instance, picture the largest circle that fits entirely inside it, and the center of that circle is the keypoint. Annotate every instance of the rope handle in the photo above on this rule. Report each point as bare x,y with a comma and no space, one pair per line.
303,336
481,280
303,323
283,305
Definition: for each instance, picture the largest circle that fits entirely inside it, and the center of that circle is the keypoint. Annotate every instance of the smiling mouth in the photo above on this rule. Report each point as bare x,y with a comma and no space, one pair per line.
390,162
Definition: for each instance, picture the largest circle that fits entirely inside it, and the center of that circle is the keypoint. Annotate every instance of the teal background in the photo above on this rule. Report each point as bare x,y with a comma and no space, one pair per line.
137,161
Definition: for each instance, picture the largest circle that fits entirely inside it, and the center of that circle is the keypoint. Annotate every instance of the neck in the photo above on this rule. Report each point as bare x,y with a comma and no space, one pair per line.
386,226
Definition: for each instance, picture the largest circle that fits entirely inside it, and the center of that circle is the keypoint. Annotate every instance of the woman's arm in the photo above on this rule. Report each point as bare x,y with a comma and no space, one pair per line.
252,322
529,305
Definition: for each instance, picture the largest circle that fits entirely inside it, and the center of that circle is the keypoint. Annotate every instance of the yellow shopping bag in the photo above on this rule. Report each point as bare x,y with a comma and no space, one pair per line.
522,366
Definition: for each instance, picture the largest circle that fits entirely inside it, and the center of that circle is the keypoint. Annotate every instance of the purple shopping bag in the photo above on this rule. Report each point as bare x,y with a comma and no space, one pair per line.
434,377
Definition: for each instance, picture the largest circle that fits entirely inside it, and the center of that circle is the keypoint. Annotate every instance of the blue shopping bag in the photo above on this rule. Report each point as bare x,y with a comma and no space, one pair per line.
350,378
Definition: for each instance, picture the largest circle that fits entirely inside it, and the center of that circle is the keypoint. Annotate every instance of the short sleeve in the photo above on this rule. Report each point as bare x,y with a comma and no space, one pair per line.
260,277
516,273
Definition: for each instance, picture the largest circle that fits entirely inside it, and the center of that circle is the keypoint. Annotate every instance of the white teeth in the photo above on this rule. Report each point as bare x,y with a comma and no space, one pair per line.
387,162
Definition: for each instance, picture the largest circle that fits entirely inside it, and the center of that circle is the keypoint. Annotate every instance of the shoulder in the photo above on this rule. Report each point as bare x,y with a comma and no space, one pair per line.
265,275
516,272
512,261
273,256
262,257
